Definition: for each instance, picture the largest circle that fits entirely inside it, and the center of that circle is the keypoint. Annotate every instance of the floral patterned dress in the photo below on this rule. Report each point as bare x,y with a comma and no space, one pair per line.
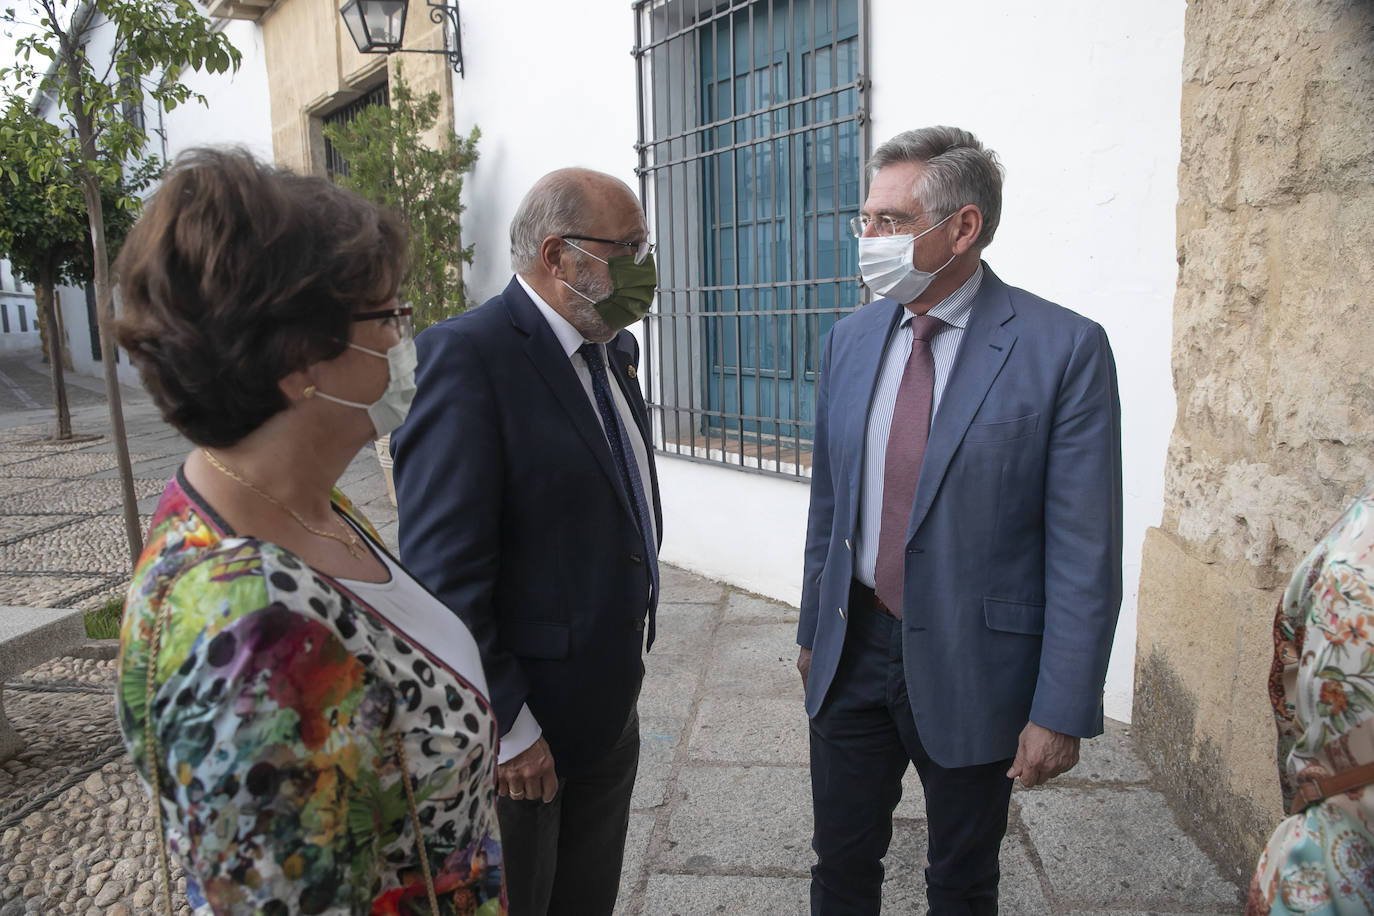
279,700
1321,861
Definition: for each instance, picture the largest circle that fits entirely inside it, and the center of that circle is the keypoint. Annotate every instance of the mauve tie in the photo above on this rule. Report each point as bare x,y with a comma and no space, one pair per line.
906,447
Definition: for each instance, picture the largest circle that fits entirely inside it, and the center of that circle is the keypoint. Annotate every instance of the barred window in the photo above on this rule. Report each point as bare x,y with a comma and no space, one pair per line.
752,139
335,164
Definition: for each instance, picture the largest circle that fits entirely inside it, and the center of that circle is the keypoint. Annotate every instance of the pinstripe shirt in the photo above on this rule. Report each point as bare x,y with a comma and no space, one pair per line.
954,312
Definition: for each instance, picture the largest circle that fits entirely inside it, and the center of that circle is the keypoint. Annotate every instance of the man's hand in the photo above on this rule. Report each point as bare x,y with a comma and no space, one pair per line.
804,665
1042,754
529,774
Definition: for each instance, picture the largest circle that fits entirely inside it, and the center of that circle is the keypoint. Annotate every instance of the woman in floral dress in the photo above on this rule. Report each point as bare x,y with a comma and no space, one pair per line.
312,723
1320,860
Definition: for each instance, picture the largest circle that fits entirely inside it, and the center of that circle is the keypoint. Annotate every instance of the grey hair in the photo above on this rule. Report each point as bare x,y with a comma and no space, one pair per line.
556,205
959,171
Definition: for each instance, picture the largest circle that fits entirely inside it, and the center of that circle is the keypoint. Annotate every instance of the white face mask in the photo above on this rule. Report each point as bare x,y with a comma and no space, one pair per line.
389,411
886,263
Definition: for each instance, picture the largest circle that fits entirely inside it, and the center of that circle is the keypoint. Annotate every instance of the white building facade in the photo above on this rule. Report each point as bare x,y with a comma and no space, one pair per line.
753,119
235,114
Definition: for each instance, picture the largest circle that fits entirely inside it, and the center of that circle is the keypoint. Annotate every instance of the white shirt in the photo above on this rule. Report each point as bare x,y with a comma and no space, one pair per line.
425,619
525,731
944,347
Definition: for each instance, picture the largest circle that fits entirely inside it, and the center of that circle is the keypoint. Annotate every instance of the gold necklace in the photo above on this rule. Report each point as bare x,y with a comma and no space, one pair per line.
353,544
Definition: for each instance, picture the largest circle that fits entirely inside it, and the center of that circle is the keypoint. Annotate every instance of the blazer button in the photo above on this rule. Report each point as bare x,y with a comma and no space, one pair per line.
639,626
636,558
841,610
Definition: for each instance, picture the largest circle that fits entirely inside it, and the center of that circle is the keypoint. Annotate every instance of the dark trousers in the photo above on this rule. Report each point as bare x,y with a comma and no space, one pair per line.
862,740
564,857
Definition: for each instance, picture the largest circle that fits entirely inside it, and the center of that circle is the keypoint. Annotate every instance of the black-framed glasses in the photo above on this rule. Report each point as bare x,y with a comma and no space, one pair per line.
642,249
401,315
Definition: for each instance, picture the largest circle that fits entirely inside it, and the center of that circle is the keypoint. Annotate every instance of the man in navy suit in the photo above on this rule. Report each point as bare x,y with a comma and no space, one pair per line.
528,504
963,551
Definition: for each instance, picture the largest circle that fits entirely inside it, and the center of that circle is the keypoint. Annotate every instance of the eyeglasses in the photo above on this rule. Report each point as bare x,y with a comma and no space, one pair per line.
882,225
399,318
642,249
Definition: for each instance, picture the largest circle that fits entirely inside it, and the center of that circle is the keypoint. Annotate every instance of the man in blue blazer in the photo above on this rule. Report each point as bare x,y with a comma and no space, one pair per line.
963,551
528,504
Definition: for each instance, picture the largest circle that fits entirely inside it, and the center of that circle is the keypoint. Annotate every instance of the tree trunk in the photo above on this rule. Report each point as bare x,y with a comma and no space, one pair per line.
104,302
43,295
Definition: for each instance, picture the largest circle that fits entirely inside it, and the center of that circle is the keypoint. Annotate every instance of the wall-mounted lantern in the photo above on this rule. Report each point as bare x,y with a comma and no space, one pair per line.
379,27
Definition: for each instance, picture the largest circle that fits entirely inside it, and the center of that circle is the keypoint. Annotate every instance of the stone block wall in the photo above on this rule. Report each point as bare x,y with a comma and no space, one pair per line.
313,68
1273,364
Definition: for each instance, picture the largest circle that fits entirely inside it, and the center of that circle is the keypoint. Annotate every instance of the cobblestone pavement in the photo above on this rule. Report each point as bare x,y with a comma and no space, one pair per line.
720,819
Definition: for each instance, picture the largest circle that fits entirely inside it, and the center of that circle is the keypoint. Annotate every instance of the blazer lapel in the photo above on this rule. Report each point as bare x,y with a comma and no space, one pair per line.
543,350
984,350
851,404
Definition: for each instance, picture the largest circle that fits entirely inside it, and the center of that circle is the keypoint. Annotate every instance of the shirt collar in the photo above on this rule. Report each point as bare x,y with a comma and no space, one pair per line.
955,308
568,337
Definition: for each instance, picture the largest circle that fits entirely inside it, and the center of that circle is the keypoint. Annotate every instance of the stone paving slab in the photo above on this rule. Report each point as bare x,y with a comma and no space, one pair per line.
1108,847
686,588
713,895
632,867
47,590
84,496
97,545
12,485
1108,758
904,883
37,438
658,742
66,465
744,608
17,526
739,729
62,733
740,818
683,628
670,685
756,660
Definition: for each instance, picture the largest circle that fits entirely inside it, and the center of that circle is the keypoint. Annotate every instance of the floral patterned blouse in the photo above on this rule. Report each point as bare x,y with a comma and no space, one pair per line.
1321,862
278,698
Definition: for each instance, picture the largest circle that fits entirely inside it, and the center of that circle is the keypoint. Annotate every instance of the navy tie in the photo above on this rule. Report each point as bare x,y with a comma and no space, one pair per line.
625,461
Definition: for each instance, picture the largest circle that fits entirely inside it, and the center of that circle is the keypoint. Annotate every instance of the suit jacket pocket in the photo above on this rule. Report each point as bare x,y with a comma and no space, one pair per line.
536,639
1014,616
1002,430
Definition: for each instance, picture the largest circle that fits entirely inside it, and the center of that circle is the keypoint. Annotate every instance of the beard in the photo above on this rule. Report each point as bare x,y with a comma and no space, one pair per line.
582,314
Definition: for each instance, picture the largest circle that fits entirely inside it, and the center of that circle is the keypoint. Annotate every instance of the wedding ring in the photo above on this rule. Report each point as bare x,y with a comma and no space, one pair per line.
517,797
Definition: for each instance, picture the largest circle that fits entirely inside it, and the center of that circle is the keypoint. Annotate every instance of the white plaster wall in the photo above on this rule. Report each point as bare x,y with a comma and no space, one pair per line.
1081,99
236,110
235,113
551,84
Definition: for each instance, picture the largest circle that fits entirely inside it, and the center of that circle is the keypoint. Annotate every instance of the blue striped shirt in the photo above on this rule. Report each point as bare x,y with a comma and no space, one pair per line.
944,347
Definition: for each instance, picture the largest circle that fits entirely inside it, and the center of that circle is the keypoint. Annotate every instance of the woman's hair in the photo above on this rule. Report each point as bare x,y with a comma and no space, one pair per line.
238,274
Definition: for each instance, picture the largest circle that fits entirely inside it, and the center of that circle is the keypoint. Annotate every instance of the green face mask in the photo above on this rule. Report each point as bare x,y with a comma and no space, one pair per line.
632,289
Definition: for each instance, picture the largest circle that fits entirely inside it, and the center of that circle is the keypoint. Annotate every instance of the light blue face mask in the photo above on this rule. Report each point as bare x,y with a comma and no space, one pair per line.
389,411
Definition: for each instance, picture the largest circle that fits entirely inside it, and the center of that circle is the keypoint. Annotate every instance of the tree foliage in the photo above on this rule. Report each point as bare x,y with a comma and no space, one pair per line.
44,230
99,62
390,163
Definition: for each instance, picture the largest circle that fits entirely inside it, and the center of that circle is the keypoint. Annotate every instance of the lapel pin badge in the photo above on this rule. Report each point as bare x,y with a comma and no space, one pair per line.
631,372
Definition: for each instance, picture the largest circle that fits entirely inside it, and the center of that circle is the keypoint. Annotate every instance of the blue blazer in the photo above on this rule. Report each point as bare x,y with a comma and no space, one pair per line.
1013,563
512,512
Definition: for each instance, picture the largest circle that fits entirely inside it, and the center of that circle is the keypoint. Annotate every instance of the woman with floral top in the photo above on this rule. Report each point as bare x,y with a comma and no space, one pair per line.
1320,860
315,723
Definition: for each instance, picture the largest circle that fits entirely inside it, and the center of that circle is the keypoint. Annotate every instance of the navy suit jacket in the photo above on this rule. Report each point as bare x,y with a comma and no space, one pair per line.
1013,562
513,513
